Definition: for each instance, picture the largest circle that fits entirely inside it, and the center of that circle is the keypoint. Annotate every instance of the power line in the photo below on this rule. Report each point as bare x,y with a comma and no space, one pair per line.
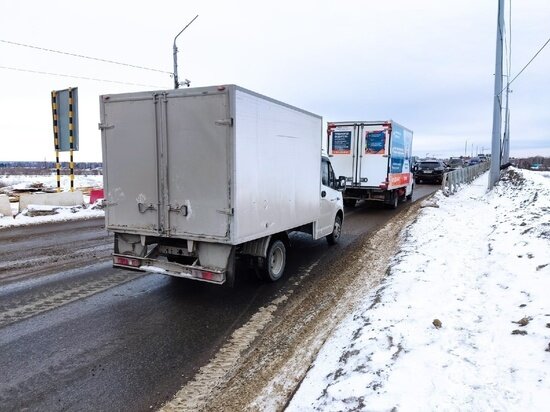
84,57
79,77
530,61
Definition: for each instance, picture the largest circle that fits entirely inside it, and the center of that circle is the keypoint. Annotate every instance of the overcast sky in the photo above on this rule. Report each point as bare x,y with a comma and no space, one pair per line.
427,64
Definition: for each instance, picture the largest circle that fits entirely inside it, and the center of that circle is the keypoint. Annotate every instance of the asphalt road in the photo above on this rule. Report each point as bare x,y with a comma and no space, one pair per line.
76,334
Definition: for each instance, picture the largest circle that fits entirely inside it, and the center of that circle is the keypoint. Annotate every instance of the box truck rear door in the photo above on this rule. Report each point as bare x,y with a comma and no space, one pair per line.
372,169
342,148
198,135
130,163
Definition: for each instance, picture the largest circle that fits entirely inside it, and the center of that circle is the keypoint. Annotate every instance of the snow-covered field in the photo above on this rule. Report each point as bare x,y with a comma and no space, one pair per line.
84,211
462,322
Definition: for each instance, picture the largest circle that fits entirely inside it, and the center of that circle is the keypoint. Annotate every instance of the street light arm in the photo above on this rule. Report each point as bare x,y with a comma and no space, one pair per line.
175,54
182,30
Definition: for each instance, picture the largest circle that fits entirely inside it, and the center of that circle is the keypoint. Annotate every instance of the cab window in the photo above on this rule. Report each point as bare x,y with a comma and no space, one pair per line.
331,176
325,173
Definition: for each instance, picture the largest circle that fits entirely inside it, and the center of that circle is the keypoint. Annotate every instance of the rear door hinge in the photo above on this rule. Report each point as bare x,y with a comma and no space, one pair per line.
103,126
224,122
228,211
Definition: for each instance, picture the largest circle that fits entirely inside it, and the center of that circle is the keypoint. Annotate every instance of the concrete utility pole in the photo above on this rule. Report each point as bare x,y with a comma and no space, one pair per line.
494,173
175,53
506,139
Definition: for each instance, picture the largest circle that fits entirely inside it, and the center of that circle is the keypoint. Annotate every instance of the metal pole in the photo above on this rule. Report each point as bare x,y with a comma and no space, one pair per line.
494,173
506,142
175,54
176,80
71,139
56,140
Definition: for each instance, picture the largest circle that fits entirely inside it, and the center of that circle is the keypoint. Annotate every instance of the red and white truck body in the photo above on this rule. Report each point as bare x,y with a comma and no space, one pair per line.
375,158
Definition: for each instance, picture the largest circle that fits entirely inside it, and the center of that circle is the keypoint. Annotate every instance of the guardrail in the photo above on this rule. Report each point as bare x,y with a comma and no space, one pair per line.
452,180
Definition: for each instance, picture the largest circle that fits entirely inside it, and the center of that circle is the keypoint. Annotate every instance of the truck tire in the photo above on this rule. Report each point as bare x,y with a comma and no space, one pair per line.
275,260
410,196
394,200
333,238
350,202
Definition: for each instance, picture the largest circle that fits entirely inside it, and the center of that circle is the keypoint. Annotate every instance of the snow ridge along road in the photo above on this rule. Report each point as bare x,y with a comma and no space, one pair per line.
461,322
264,372
31,304
29,251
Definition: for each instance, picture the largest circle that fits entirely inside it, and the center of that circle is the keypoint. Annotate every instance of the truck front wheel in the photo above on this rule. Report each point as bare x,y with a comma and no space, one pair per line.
274,263
333,238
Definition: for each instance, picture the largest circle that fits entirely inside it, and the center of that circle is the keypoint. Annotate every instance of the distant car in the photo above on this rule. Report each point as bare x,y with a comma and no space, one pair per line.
474,161
455,163
429,171
482,157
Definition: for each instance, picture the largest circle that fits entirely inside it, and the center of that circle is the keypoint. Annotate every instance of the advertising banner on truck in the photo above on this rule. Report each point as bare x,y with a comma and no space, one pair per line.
400,152
341,142
375,142
397,150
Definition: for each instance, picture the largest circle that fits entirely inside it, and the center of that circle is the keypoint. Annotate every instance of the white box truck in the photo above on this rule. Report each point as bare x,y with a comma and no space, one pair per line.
375,157
197,178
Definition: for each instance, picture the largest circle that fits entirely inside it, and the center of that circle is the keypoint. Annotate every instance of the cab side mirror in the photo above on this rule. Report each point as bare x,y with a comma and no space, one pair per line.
341,182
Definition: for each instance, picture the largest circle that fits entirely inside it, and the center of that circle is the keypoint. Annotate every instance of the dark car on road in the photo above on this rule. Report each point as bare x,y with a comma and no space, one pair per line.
429,171
455,163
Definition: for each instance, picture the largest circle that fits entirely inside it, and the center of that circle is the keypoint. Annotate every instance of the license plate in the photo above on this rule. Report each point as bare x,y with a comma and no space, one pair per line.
427,171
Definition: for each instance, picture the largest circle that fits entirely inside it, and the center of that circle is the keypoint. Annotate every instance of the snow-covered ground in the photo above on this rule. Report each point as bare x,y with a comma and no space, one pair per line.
85,211
462,322
50,180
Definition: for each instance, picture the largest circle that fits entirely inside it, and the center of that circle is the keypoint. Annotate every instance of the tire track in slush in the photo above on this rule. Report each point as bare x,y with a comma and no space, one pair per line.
46,301
266,359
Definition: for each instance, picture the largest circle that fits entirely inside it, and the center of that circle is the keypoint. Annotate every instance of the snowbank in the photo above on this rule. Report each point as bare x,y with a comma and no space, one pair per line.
463,320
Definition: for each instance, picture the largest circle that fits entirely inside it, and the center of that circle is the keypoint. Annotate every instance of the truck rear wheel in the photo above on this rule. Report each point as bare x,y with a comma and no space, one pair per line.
275,260
393,200
410,195
333,238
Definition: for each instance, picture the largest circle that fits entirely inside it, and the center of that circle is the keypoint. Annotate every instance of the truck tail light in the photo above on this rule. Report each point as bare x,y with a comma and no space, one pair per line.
125,261
210,276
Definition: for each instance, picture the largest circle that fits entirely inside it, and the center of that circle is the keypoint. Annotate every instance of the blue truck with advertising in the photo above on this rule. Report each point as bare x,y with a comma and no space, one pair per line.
376,159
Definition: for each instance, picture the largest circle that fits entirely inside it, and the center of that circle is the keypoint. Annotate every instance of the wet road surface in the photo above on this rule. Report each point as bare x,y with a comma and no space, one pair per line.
85,336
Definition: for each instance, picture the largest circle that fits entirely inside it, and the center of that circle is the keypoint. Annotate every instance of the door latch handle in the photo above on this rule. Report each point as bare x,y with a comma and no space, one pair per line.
178,209
144,208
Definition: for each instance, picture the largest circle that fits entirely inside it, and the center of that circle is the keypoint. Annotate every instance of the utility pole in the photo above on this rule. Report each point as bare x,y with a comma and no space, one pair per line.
466,148
175,53
494,173
506,139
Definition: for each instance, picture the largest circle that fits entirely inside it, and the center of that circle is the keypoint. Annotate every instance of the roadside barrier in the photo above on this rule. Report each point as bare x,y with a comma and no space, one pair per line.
452,180
5,208
51,199
96,194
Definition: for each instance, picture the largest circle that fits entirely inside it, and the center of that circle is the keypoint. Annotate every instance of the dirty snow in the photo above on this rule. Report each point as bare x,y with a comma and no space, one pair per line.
60,214
462,322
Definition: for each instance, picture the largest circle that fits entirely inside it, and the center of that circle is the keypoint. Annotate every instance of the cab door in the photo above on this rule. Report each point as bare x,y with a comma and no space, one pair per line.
330,198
